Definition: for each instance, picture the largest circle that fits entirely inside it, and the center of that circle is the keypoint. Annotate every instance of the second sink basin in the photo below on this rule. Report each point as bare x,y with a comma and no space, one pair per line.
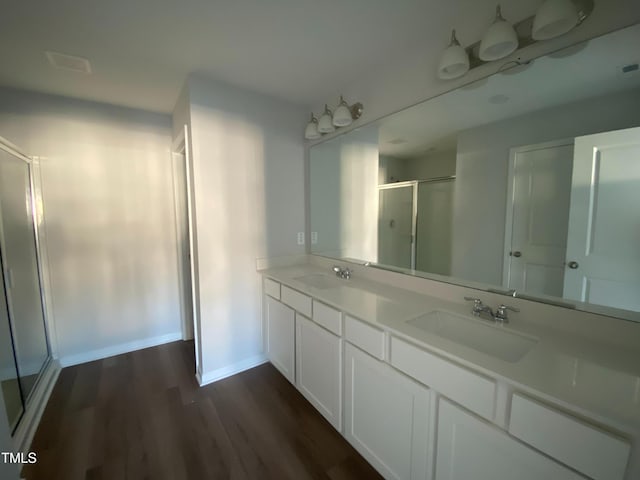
476,334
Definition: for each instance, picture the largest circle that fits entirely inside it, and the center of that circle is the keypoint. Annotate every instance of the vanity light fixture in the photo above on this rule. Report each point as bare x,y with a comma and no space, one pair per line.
343,116
346,114
325,123
311,132
553,18
499,41
455,60
557,17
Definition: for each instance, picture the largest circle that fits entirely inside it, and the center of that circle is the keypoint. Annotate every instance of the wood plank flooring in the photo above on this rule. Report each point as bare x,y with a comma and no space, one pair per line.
142,416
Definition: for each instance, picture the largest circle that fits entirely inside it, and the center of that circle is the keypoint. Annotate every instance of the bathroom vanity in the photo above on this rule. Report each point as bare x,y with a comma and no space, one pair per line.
383,359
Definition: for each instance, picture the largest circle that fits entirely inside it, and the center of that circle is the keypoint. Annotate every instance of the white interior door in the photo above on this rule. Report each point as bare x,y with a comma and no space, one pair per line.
603,247
535,253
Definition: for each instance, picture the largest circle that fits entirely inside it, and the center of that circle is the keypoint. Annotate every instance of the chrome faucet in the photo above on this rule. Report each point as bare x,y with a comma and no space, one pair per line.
501,313
479,309
342,272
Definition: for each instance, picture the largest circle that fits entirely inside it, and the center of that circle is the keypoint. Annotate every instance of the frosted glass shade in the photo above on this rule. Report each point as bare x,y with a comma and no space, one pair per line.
500,40
325,123
342,116
454,63
554,18
311,132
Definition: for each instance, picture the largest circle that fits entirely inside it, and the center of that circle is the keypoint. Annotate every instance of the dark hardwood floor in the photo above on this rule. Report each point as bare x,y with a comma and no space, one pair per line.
142,416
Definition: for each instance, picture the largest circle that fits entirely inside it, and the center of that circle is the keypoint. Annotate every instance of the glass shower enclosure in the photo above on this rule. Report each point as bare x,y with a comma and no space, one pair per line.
24,345
414,224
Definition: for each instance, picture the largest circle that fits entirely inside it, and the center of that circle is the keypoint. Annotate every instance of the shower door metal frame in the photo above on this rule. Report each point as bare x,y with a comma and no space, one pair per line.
19,154
414,211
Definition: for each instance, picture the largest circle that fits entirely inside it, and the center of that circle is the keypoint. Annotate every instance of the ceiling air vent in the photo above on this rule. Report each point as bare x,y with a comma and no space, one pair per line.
69,62
630,68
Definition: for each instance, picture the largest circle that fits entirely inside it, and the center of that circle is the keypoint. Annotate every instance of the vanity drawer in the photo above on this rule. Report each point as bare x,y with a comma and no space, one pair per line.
469,389
587,448
272,288
365,336
327,317
296,300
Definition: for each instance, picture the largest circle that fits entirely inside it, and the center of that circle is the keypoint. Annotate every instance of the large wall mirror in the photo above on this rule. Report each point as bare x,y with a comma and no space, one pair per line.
527,181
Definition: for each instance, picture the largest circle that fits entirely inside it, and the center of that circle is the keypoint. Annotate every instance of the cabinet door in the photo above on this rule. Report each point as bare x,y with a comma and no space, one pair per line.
319,369
280,337
469,448
386,416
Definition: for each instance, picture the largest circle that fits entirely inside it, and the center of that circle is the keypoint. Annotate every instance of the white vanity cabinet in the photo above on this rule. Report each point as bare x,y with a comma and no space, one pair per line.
319,369
386,416
469,448
416,414
279,341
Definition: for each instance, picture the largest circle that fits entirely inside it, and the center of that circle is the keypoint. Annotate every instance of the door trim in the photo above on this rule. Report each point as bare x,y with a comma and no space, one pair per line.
181,146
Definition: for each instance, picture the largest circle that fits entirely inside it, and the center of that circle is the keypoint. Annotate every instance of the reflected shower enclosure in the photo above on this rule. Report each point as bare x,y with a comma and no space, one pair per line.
414,224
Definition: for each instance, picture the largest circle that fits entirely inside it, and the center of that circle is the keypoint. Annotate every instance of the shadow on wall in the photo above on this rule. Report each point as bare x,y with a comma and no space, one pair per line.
108,195
248,160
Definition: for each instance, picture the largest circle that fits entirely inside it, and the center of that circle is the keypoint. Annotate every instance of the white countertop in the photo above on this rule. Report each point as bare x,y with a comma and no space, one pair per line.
588,376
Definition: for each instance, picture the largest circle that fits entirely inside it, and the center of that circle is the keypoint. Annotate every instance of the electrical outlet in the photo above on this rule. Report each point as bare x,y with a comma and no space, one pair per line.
314,238
300,238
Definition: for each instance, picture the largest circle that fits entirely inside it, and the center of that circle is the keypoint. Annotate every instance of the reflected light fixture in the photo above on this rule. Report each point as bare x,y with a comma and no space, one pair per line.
554,18
455,60
311,132
499,41
325,123
345,114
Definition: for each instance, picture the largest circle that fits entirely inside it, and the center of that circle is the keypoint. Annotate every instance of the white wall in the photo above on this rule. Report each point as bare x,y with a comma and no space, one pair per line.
391,170
108,199
344,176
248,162
325,190
439,164
480,191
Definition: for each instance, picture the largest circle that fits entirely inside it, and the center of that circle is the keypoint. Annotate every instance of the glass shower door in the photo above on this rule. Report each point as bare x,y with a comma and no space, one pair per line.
396,225
20,271
9,383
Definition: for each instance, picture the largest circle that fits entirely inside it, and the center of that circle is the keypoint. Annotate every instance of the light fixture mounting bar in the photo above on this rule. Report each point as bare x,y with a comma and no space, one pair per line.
524,30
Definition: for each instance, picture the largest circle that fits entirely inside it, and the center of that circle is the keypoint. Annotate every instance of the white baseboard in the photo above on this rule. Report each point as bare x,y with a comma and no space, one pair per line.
224,372
90,356
35,407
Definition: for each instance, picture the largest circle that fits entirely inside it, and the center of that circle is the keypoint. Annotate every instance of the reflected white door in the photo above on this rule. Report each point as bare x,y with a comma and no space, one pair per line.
603,247
541,188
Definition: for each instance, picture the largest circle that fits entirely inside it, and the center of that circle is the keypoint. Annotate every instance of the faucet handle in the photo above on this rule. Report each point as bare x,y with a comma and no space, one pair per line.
476,301
503,309
501,312
477,305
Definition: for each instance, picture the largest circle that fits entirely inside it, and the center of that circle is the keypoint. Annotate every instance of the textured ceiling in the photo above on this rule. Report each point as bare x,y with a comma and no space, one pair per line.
303,50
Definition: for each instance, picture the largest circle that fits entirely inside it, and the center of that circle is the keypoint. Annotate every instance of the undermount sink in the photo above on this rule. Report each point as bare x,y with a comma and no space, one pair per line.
491,339
319,280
